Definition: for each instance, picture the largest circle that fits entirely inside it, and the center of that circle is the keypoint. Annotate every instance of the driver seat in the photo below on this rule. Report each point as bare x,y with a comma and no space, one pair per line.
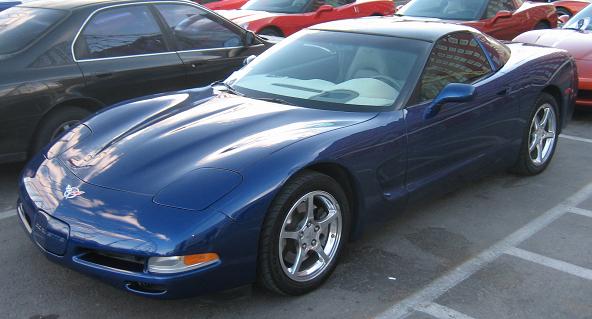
367,63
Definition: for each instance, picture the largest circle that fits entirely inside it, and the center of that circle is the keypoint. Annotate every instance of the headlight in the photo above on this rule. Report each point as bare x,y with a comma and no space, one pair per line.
176,264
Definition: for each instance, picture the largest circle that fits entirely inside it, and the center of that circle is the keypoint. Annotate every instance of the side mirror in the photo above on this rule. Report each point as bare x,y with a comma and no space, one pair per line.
501,15
453,92
325,8
250,38
249,59
399,7
563,19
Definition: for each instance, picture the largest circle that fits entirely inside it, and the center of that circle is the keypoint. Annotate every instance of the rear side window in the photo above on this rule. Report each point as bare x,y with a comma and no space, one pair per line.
118,32
21,26
456,58
499,53
195,29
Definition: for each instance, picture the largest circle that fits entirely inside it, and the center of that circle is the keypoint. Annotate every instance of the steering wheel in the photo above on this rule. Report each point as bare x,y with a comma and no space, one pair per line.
390,81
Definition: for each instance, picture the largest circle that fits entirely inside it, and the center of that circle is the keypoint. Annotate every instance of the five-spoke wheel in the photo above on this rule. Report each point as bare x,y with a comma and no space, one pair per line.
303,234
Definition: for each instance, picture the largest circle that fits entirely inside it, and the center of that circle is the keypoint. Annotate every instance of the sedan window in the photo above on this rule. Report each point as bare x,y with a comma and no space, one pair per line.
193,29
456,58
118,32
20,26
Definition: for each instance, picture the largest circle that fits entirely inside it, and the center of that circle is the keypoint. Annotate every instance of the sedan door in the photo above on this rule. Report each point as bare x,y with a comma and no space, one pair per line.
124,54
459,139
210,47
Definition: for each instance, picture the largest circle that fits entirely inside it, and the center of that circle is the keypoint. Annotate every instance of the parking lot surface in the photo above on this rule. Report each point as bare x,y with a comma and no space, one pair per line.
502,247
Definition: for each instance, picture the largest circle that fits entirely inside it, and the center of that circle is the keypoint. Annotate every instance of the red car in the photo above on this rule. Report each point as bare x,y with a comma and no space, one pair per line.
575,37
570,7
503,19
284,17
222,4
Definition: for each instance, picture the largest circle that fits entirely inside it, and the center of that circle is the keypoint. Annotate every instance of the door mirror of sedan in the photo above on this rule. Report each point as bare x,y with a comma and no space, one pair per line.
324,8
249,59
563,19
501,15
453,92
250,38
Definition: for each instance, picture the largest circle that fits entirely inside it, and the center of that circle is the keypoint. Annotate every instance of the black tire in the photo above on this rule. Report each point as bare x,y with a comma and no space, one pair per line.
542,26
563,11
270,273
271,32
525,165
58,119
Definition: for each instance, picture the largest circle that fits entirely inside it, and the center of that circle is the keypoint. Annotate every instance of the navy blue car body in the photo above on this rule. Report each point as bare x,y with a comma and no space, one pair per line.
196,171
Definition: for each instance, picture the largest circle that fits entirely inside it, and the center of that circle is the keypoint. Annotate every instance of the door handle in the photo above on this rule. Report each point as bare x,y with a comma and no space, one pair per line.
503,92
104,75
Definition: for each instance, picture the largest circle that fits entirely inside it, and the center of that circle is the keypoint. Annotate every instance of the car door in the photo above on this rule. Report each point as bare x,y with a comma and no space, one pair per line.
124,54
502,21
463,139
211,48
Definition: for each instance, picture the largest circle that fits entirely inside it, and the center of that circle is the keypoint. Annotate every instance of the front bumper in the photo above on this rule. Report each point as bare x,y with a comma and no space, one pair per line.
93,235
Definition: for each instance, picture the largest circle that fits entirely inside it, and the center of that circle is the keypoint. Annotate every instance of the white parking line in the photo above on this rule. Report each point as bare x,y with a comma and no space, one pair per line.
441,312
441,285
576,138
551,263
581,211
7,214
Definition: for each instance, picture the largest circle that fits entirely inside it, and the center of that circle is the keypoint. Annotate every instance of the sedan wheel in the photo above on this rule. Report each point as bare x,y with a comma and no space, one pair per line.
303,234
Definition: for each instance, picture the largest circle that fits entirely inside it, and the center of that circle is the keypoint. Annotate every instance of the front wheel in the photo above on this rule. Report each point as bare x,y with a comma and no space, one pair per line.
540,139
303,234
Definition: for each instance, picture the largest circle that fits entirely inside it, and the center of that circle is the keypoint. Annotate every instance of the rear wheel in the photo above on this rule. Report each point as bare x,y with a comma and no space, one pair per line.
271,32
563,11
542,25
303,234
540,137
56,123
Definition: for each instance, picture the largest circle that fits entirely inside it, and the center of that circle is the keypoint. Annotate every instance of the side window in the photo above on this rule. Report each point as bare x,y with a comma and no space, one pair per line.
499,53
193,29
316,4
496,6
456,58
124,31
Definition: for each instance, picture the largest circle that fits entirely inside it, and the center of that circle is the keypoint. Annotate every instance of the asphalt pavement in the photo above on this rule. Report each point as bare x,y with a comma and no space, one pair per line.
502,247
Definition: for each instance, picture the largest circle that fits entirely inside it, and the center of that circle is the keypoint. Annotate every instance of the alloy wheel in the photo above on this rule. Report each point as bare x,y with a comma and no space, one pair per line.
310,236
543,132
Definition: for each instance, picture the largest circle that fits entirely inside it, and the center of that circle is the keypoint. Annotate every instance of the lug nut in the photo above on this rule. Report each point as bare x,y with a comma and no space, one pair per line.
314,242
317,228
303,245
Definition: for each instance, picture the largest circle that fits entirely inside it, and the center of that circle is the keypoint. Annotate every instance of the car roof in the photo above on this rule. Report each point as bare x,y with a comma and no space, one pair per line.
399,27
75,4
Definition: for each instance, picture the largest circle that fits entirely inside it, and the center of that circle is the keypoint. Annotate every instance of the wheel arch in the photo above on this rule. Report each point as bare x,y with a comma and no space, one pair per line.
88,104
346,180
273,27
564,8
555,92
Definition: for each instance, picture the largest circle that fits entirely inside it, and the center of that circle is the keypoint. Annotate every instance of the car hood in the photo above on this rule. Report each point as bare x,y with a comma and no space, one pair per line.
578,44
147,144
241,17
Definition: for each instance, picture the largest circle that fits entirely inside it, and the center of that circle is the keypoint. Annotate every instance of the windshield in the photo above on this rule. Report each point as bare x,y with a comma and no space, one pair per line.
279,6
445,9
583,19
325,69
20,26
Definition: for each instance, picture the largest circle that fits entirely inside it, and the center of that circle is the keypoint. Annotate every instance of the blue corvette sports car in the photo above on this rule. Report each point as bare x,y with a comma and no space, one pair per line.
264,177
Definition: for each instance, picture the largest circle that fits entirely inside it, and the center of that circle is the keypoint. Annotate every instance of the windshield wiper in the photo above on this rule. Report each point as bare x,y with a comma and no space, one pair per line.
275,100
227,88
